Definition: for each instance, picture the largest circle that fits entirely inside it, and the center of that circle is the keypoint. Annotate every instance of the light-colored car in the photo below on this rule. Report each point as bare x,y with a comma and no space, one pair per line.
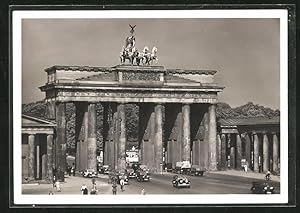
90,173
181,181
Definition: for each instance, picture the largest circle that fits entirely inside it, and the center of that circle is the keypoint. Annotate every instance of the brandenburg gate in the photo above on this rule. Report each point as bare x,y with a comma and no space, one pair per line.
177,112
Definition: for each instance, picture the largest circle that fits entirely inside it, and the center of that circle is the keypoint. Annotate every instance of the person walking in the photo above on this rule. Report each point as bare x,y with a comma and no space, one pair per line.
122,183
268,175
57,185
54,180
114,188
94,190
84,189
143,192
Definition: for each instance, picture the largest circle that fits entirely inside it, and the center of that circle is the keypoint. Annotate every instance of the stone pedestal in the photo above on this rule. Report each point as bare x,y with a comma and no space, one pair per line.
31,158
256,152
266,159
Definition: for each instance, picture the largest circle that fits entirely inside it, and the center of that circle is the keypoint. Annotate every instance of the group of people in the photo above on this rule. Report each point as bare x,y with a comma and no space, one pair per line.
84,189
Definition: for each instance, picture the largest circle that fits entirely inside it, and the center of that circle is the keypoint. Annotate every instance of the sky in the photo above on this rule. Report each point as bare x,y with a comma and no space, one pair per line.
245,52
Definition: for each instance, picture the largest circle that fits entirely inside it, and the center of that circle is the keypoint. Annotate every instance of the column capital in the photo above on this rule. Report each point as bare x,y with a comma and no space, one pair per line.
274,133
254,133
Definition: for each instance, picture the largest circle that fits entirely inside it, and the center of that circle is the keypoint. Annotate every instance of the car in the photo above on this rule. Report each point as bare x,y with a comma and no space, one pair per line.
262,188
131,174
105,169
168,167
90,173
181,181
142,176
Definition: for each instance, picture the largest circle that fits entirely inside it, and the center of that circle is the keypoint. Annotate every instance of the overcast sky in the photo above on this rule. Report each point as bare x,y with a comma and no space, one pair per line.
245,52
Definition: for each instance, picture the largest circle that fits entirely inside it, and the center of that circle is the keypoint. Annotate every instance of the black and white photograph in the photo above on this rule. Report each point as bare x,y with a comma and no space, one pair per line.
150,107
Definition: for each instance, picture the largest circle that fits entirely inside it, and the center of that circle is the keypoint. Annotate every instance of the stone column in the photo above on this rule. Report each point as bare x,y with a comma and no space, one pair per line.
223,152
122,139
219,151
92,143
275,152
266,159
61,139
158,143
186,134
205,150
232,152
177,145
38,161
81,135
238,151
212,138
49,156
116,138
248,150
31,158
256,152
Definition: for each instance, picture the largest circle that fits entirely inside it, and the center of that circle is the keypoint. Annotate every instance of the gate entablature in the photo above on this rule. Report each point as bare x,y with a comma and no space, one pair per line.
127,83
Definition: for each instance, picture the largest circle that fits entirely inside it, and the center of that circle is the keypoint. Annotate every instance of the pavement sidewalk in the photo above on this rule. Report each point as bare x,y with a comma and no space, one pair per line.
249,174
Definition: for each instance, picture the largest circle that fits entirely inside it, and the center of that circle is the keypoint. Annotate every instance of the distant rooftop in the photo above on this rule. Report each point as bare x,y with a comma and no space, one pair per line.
249,121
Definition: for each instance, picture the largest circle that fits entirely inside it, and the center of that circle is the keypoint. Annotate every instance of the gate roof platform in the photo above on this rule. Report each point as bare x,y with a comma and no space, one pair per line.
130,83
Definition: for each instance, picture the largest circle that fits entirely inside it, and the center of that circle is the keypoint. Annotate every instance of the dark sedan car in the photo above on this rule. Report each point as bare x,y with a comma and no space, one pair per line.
262,188
142,176
181,181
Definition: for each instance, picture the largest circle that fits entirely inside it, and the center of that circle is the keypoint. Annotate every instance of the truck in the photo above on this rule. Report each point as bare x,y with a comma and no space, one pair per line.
182,167
196,170
185,167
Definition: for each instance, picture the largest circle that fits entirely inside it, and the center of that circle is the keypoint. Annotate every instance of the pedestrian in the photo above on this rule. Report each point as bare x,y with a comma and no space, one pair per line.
69,170
54,180
51,193
143,192
57,185
84,189
268,175
122,183
73,169
114,188
246,167
94,190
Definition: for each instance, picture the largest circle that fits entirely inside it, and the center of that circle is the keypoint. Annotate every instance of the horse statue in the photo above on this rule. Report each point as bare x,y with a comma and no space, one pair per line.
126,54
139,57
150,57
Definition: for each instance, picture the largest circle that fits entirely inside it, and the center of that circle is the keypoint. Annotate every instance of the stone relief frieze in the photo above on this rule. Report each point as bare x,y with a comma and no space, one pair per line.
139,76
160,94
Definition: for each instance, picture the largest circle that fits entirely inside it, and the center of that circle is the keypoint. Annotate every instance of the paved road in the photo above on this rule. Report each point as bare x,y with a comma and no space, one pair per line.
159,184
